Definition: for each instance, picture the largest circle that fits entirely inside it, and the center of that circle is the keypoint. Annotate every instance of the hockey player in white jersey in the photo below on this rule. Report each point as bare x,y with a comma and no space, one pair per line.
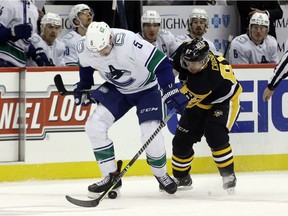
46,49
197,27
256,46
15,32
133,69
152,32
80,17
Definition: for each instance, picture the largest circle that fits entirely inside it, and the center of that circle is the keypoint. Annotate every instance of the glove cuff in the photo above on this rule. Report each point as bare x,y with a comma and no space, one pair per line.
170,93
13,32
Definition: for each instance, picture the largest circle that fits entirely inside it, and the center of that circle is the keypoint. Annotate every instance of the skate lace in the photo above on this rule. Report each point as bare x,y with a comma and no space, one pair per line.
103,181
186,181
165,180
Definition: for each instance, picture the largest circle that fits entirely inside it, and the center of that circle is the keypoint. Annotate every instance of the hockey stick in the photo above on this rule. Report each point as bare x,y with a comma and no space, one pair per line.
114,6
230,38
61,88
24,11
95,202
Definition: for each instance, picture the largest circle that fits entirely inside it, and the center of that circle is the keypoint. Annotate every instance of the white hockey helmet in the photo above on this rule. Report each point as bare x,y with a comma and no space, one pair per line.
75,10
97,36
150,16
51,18
198,13
259,19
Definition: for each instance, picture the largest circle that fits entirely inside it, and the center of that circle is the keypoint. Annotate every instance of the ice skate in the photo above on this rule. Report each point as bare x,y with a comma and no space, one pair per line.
184,183
166,183
95,189
229,183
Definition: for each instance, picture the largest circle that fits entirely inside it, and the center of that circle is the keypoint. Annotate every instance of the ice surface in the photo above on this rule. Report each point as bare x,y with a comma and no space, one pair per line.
256,194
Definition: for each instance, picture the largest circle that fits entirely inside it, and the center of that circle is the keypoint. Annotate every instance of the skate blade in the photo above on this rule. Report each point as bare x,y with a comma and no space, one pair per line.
185,188
180,188
92,195
231,191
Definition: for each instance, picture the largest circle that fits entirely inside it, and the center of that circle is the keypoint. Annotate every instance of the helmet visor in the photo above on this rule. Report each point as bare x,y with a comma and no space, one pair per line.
194,66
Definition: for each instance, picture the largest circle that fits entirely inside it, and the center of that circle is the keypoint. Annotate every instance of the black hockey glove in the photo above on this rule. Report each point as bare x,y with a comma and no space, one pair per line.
38,55
82,96
174,98
22,31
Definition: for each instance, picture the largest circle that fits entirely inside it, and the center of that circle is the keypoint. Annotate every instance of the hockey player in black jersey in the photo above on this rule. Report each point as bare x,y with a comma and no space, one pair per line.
213,107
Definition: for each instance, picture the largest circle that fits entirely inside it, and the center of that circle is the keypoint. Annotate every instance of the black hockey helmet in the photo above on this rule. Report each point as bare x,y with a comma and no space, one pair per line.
195,50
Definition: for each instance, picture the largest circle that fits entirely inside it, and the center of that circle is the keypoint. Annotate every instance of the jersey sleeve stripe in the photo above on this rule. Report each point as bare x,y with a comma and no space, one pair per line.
156,59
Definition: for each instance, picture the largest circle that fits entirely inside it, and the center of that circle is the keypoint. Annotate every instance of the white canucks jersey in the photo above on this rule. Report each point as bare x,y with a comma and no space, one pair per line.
165,42
71,39
244,51
11,14
54,52
130,65
187,37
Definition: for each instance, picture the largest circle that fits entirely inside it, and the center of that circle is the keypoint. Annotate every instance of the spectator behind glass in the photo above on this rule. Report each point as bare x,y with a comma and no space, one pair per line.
248,8
15,32
198,24
103,12
256,46
45,49
80,17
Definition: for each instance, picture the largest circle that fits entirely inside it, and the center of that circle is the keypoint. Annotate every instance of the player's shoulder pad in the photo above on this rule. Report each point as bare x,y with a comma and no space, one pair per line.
35,39
80,45
242,39
182,37
164,32
68,36
119,38
271,39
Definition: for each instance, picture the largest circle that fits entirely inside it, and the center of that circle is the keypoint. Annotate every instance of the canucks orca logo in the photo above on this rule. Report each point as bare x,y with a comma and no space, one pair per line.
116,74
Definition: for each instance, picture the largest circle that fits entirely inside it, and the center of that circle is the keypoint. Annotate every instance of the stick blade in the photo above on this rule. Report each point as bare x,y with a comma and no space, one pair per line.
59,84
83,203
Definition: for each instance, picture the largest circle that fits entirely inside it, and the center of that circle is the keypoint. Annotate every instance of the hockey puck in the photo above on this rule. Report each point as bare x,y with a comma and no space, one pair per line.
112,195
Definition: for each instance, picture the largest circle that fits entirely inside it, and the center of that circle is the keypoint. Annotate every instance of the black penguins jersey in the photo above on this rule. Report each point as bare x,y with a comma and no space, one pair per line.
215,83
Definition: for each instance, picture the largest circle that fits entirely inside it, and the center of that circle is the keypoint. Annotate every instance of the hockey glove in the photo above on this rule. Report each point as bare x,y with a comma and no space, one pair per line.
174,98
82,96
38,55
22,31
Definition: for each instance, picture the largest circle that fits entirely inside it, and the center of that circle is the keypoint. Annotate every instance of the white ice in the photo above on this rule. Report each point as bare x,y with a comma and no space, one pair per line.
256,194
